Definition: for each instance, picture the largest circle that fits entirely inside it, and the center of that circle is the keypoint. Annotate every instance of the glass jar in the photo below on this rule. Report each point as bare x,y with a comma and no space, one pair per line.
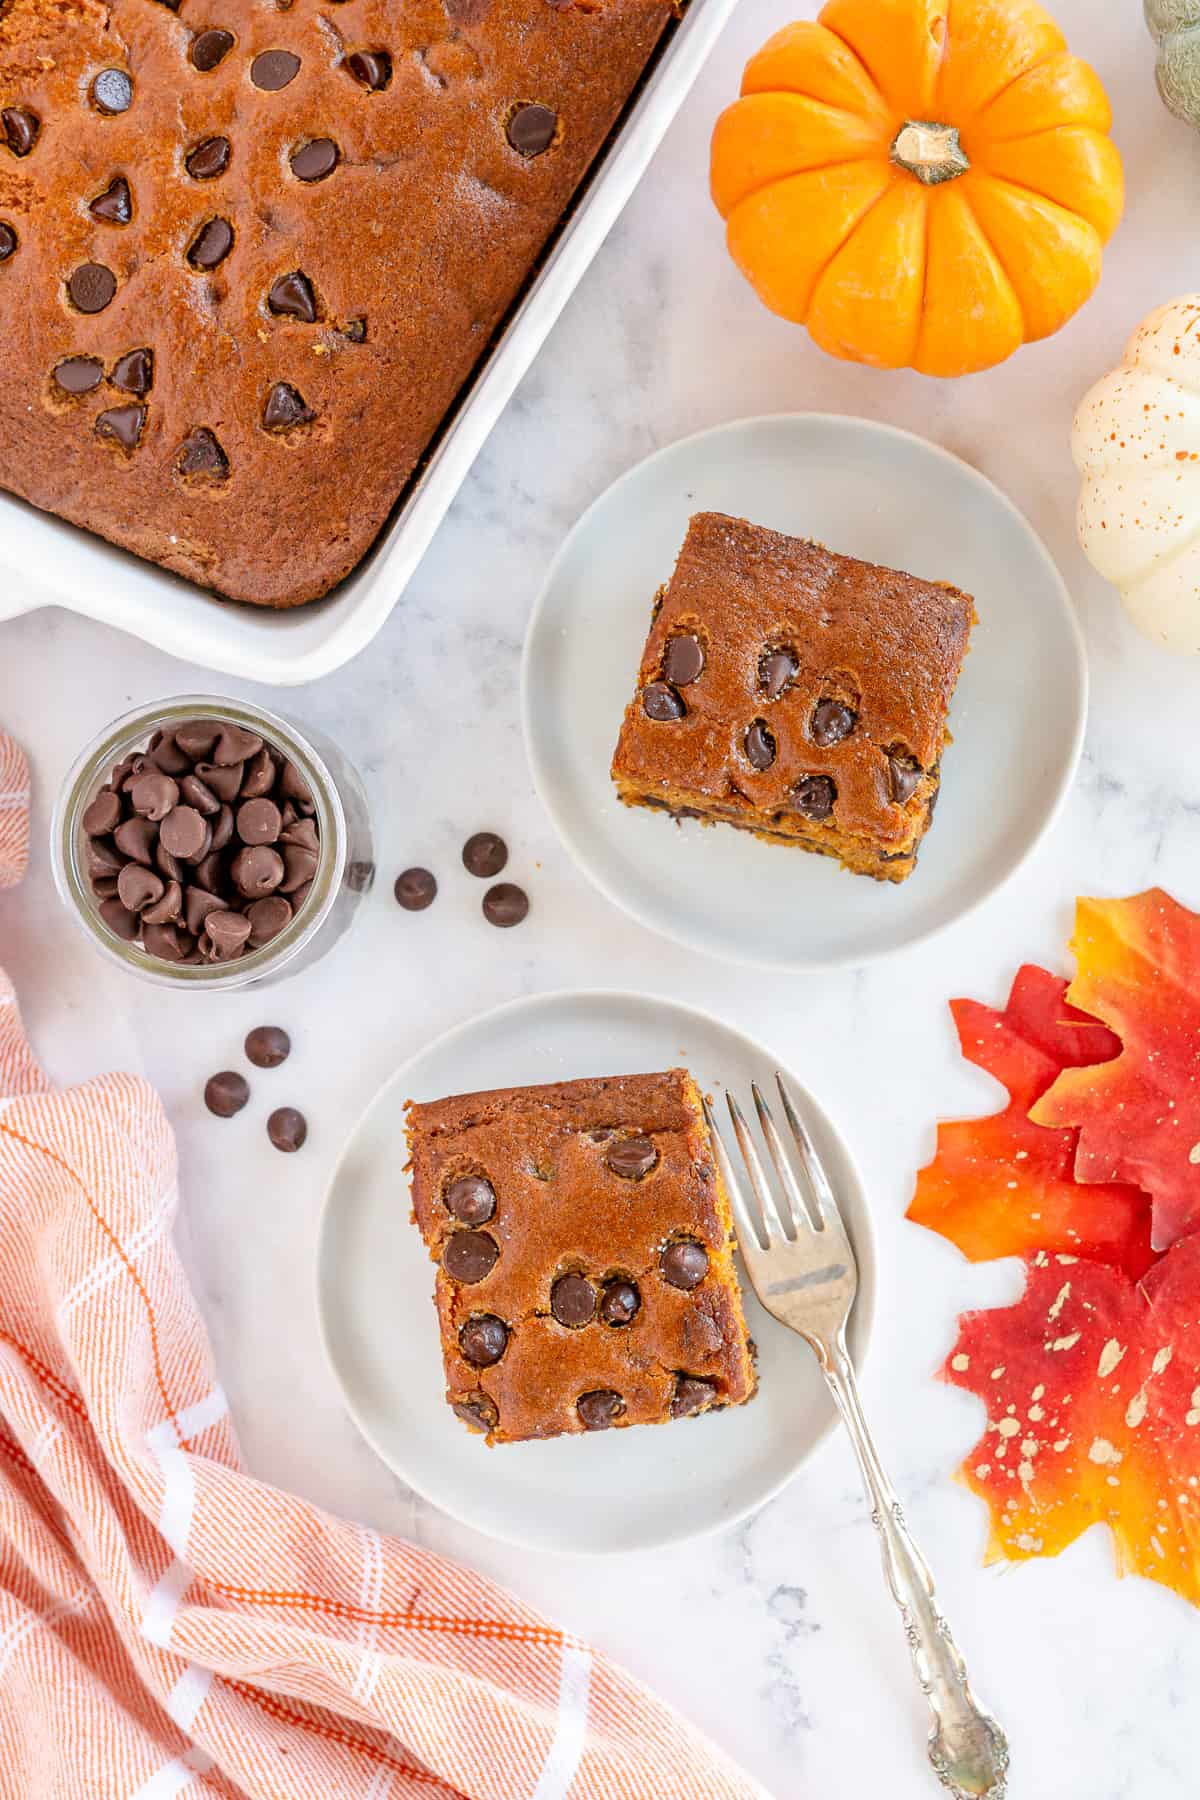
344,874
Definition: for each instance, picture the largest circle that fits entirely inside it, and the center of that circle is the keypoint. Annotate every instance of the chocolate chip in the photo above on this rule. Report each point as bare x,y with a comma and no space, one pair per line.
233,745
168,943
267,1045
292,786
471,1198
483,1340
225,935
292,297
258,822
354,329
299,831
121,425
9,241
759,745
692,1395
285,407
683,659
210,48
684,1263
211,244
477,1411
185,833
211,874
259,777
484,855
273,69
573,1301
103,859
113,207
315,160
196,737
201,458
21,128
832,721
532,128
257,870
197,908
599,1409
138,887
119,919
813,796
103,886
469,1255
267,919
776,669
196,793
91,287
209,159
661,703
287,1129
372,69
904,776
226,783
299,867
103,814
505,904
226,1093
415,889
112,91
632,1158
79,374
620,1302
136,838
153,795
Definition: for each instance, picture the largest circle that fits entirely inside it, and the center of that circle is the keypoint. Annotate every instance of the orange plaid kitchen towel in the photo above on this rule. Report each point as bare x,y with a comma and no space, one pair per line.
169,1625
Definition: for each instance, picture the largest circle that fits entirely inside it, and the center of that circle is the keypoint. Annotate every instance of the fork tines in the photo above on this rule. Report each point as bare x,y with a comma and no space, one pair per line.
786,1210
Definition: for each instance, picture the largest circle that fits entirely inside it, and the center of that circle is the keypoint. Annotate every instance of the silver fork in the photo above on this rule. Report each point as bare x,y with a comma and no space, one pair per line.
801,1262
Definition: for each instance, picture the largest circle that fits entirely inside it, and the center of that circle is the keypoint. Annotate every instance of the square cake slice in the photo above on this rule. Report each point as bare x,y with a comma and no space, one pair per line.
797,694
583,1242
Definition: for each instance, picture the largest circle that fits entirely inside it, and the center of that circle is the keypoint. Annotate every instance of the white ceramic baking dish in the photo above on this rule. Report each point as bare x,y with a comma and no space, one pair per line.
44,562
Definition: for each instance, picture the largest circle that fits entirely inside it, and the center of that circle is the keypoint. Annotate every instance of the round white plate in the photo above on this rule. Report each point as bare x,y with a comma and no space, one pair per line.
869,491
613,1490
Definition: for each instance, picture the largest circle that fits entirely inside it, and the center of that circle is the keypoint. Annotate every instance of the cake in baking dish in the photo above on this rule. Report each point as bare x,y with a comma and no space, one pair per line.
249,253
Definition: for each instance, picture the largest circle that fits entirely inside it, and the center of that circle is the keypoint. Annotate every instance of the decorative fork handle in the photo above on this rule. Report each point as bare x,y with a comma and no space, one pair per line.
967,1748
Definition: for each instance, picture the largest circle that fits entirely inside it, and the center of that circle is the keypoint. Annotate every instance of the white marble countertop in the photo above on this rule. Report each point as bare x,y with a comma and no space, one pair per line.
777,1635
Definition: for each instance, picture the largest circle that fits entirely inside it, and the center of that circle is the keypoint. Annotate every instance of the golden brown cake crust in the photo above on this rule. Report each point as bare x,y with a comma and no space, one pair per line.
560,1209
426,229
876,650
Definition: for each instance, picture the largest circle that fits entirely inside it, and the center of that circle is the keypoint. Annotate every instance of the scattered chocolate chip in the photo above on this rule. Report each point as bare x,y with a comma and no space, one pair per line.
832,721
211,244
632,1158
776,669
201,458
138,887
620,1302
79,374
112,91
185,832
9,241
904,776
505,904
661,703
683,659
258,822
273,69
599,1409
209,159
267,1045
372,69
573,1301
153,795
759,745
287,1129
478,1412
210,48
469,1255
113,207
284,408
121,425
91,287
484,855
315,160
21,129
257,870
471,1198
692,1395
292,297
267,919
532,128
684,1263
102,815
483,1340
226,1093
416,889
813,796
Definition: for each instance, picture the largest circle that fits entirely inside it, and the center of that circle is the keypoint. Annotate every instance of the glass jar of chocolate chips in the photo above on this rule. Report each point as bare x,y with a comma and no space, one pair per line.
207,843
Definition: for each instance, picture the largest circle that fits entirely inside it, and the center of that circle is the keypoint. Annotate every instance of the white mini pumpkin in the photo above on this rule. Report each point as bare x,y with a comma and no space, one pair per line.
1136,442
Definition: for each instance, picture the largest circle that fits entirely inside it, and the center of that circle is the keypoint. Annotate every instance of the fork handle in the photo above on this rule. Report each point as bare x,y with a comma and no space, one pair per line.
967,1748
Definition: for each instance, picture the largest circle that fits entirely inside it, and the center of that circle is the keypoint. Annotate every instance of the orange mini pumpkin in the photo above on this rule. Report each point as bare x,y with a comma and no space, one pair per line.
924,182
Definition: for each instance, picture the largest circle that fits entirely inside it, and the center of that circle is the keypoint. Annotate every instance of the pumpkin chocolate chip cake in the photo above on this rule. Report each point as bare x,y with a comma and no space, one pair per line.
583,1239
250,253
797,694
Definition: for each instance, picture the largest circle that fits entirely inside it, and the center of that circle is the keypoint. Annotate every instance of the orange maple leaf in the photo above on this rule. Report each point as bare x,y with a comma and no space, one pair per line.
1092,1388
1002,1186
1138,1116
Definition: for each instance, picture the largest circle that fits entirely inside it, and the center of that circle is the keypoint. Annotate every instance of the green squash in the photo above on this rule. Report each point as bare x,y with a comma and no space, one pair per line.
1175,27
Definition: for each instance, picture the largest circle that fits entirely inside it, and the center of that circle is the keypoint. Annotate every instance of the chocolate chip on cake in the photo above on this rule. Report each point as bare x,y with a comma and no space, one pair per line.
777,668
21,129
78,374
267,1045
505,904
903,775
315,160
683,659
112,91
209,159
532,128
372,69
477,1411
471,1198
684,1263
484,854
692,1394
9,241
416,889
201,458
599,1409
759,745
284,408
813,796
273,69
292,297
620,1302
632,1158
210,48
469,1256
354,329
661,703
287,1129
832,721
114,206
91,287
573,1301
226,1094
483,1340
134,372
121,425
211,244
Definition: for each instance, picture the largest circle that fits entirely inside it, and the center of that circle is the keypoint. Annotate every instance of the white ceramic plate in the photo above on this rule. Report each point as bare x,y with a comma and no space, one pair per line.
614,1490
868,491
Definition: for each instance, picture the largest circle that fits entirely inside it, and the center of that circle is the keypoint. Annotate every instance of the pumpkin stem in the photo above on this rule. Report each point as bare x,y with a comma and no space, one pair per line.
929,151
